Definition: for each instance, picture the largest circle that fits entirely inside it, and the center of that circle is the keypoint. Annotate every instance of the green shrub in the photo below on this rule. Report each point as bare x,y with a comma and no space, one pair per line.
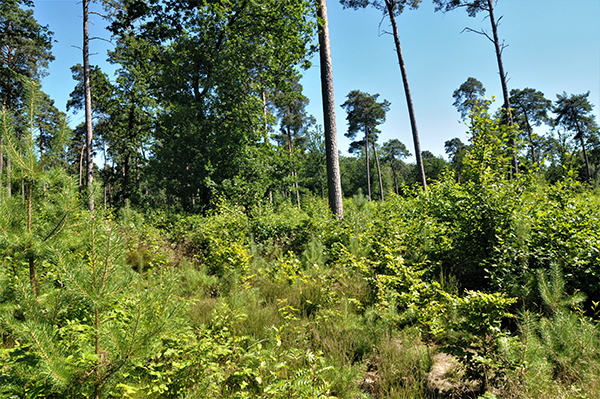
82,333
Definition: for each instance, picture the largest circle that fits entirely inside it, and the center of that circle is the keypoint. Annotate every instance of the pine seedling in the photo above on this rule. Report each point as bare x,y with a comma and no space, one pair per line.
552,290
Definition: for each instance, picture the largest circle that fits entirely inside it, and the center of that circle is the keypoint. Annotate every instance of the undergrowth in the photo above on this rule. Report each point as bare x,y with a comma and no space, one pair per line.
487,289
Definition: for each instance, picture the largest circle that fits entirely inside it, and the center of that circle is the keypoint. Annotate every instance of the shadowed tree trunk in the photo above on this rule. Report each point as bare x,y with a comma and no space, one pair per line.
1,163
531,143
378,170
333,167
294,173
585,156
367,162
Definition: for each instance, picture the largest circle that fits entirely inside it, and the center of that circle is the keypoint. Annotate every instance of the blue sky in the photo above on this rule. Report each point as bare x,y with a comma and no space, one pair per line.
553,46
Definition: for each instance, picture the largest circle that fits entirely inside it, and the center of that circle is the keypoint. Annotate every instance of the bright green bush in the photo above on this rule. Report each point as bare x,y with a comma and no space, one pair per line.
81,333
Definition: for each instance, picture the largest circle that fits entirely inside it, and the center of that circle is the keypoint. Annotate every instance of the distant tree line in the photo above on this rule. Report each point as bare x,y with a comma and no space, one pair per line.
206,103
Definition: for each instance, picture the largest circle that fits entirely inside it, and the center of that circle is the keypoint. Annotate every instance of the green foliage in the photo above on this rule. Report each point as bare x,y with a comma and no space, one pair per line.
90,324
530,108
258,297
397,5
469,98
27,52
48,203
212,239
211,64
273,300
488,159
474,335
559,352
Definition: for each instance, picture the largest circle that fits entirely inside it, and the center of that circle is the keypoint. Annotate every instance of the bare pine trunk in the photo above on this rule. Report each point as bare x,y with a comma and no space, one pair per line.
31,260
88,107
294,173
8,178
585,157
333,166
367,161
378,171
395,180
7,105
264,99
81,168
1,164
411,111
506,106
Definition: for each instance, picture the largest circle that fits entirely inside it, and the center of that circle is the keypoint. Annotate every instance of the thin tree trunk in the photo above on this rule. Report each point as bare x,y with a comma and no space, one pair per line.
333,166
378,170
126,168
294,174
395,179
506,106
88,107
1,163
8,178
31,260
585,157
81,168
7,106
42,150
367,161
531,143
266,134
411,111
105,165
127,156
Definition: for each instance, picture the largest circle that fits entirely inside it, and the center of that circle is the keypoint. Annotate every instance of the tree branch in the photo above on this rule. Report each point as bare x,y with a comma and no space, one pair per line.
97,13
101,38
479,32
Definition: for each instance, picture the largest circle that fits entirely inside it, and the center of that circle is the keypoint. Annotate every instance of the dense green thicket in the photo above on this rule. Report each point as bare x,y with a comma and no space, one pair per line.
281,302
485,285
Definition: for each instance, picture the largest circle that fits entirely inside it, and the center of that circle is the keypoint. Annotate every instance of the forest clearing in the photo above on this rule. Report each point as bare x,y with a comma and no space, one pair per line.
200,235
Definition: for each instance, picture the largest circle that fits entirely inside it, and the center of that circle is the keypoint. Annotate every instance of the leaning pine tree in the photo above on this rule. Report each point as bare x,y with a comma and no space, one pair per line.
487,7
393,8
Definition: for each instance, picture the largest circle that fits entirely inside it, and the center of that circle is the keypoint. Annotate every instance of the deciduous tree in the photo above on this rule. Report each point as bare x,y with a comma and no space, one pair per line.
293,122
214,61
